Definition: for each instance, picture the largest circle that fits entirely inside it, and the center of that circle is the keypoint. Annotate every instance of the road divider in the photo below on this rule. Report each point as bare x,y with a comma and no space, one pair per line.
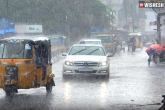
57,55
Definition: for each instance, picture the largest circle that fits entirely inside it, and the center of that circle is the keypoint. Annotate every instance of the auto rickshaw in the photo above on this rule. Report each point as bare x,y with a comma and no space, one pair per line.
107,41
139,41
25,63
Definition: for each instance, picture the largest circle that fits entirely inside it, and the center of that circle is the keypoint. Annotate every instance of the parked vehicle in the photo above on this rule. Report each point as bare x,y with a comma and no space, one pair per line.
86,59
25,62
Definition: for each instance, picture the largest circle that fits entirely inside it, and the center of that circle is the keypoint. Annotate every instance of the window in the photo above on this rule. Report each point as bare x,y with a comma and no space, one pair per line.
15,50
106,39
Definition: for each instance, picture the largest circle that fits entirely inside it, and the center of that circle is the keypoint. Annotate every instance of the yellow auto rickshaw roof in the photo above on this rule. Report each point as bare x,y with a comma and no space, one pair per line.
33,38
26,39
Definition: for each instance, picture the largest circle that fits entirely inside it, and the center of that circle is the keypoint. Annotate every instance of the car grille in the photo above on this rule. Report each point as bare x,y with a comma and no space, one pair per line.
77,71
85,63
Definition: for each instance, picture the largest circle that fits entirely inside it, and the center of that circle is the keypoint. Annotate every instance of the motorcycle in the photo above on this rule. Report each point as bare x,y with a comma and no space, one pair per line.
156,57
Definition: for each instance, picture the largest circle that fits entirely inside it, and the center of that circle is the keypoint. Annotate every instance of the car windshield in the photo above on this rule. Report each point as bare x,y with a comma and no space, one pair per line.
105,39
15,50
87,50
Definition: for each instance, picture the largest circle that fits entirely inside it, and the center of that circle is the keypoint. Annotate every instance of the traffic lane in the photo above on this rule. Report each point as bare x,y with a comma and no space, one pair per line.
135,72
132,86
26,99
131,82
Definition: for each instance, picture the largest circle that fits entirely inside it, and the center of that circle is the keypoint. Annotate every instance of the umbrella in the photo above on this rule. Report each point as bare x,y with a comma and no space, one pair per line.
155,46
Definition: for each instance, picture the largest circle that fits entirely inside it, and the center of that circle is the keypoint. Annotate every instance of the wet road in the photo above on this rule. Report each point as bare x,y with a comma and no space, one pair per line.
132,86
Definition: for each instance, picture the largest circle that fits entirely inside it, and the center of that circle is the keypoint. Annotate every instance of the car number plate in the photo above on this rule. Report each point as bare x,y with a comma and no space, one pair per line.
85,69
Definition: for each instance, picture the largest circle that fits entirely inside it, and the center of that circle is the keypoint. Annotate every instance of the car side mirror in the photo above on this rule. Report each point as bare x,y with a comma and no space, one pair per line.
64,54
109,55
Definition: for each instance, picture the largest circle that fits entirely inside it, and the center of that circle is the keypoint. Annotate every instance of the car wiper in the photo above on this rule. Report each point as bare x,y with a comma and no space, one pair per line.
93,51
78,51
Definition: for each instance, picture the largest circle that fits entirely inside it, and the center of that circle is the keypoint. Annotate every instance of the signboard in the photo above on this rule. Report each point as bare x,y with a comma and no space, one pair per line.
6,27
151,3
34,29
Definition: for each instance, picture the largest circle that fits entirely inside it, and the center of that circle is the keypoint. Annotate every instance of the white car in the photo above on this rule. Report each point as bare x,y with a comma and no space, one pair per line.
90,41
88,59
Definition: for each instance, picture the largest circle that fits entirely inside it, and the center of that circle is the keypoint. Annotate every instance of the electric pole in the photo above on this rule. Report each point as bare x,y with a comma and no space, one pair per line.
132,18
7,9
126,15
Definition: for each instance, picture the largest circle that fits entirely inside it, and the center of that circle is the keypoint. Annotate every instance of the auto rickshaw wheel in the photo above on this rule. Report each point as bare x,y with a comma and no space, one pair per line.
49,87
10,93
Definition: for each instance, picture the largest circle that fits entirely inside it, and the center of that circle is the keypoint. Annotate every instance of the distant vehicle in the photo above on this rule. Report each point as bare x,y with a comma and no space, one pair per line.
57,42
139,40
108,41
89,59
90,41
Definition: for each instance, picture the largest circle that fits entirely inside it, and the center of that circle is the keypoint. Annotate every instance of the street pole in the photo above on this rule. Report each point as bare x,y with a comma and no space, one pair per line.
132,18
67,31
158,29
7,9
126,15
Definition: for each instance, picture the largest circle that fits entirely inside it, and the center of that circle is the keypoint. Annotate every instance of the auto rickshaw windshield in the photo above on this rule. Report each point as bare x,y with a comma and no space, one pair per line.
105,39
15,50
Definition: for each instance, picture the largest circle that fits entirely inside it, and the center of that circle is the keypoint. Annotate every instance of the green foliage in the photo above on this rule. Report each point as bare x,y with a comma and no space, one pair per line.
56,15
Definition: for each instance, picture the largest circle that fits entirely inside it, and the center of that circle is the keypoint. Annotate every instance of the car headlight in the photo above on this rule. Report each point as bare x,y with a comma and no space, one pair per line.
68,63
104,63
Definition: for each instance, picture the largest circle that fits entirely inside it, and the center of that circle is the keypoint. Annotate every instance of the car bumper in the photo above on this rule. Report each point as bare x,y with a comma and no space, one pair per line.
74,70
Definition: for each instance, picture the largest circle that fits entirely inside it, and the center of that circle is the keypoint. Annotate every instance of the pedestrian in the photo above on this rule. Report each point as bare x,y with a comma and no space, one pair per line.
118,50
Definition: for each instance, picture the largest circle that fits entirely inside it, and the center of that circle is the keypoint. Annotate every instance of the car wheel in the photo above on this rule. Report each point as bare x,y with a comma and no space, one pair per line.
108,75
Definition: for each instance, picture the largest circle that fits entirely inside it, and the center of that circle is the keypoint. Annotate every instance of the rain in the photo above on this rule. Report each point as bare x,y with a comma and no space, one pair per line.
82,54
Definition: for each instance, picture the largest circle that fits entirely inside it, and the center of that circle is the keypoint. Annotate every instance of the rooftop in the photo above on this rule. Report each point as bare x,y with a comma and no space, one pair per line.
25,38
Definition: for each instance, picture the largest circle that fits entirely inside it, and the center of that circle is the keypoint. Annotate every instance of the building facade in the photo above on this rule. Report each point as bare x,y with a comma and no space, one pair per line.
116,6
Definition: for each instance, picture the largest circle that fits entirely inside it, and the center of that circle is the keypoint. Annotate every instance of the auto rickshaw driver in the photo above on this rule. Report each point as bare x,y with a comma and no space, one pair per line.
38,54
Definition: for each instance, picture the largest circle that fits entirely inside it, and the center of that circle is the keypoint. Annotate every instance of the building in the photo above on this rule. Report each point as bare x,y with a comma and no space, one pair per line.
116,6
162,22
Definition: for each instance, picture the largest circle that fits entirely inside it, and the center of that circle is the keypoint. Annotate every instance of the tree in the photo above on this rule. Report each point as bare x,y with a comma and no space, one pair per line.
57,15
